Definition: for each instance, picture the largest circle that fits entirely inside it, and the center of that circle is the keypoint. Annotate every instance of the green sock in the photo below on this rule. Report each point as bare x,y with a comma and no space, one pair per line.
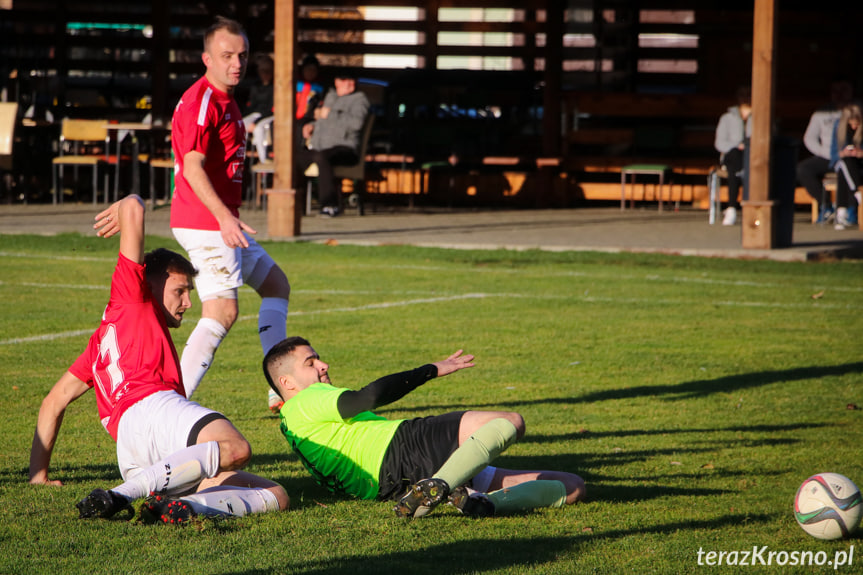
477,452
529,495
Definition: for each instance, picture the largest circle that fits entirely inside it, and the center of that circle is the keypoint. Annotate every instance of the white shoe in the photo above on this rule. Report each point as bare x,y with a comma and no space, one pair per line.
842,219
729,217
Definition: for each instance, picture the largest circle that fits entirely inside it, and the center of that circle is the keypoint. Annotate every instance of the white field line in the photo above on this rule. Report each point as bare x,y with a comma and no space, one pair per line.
394,304
533,273
105,287
54,286
56,257
648,277
382,305
47,336
742,304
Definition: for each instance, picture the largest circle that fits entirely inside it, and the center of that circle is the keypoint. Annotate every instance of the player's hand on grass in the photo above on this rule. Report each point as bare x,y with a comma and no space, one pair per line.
43,480
454,363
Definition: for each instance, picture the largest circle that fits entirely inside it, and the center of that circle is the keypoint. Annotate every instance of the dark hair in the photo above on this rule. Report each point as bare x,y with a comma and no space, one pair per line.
346,74
160,262
309,60
278,351
222,23
264,62
744,95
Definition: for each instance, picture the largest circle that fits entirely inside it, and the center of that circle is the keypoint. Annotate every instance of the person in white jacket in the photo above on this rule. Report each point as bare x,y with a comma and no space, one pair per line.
734,128
817,139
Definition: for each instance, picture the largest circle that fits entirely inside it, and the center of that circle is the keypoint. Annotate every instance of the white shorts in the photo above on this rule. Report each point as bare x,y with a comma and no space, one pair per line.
156,427
222,269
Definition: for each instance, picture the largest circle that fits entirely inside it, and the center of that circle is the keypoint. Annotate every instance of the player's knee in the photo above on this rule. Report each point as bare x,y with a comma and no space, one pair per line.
228,317
575,489
276,284
222,307
574,485
234,453
518,421
281,496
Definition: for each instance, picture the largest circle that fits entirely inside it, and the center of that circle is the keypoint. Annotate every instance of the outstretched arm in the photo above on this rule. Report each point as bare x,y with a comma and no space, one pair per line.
453,363
393,387
125,217
67,389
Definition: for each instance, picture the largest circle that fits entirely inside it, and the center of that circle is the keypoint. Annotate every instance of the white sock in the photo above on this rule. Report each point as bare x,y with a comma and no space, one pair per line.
199,352
272,318
236,501
176,473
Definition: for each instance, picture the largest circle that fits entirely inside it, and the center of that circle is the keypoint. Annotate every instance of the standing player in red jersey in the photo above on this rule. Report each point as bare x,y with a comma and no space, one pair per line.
167,445
209,142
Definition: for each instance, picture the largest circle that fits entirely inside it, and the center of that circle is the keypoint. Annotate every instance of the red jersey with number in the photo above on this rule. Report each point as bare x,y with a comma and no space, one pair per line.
208,121
132,354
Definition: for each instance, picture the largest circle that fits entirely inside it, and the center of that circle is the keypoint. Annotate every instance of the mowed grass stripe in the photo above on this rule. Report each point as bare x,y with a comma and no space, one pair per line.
395,304
523,271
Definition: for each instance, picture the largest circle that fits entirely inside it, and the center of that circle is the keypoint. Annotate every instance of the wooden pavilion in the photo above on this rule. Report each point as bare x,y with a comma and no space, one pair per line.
594,84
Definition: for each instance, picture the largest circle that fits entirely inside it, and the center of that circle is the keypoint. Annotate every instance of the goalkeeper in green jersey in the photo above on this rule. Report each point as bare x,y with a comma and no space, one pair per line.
421,462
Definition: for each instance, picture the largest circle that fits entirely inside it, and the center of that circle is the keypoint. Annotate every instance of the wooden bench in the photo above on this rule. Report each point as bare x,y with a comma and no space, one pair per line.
606,131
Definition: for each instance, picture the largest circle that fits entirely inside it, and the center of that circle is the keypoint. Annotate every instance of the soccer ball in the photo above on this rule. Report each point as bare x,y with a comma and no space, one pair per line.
828,506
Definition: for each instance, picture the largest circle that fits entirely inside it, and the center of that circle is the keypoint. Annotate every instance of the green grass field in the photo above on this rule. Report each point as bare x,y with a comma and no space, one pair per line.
693,395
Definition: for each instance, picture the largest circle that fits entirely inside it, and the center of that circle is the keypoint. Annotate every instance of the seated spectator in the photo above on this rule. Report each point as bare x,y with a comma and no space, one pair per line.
424,461
818,139
309,91
334,137
734,128
846,156
259,108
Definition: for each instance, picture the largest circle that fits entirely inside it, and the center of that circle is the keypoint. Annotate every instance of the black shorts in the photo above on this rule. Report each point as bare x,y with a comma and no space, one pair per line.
418,449
201,424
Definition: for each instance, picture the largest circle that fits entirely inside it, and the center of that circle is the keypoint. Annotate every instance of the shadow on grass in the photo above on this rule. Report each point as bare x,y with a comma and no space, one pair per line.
588,434
482,555
609,481
638,493
309,493
68,474
675,392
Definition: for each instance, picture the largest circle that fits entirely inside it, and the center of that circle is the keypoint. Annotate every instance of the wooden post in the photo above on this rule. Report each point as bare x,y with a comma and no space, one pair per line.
554,28
432,26
759,212
283,210
160,64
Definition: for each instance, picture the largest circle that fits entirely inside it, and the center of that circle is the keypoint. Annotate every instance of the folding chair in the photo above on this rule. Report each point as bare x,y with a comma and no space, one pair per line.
261,169
81,135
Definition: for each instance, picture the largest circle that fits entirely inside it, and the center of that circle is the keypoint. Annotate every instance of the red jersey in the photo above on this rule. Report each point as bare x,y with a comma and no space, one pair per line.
208,121
132,354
